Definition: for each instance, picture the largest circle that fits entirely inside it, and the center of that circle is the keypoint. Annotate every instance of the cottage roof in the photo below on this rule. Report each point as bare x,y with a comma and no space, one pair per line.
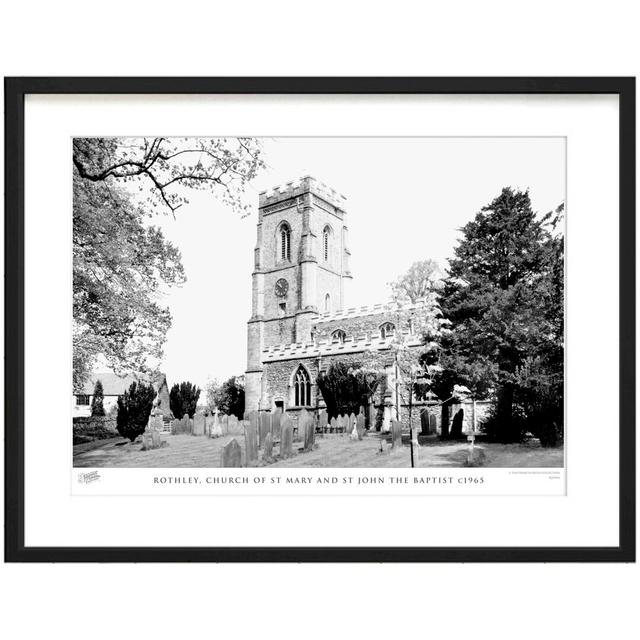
115,385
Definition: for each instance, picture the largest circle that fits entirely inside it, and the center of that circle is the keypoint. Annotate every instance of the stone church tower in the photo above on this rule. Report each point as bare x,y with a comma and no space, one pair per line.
301,270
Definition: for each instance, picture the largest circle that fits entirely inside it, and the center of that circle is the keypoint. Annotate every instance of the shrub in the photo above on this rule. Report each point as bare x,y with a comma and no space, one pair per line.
134,408
97,404
183,399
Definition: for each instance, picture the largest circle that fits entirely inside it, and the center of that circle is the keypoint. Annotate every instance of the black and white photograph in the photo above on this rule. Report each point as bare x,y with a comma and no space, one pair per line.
327,302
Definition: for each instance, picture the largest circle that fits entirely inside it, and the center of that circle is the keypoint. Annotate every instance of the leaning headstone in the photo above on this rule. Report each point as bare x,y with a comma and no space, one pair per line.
231,455
360,426
396,434
265,426
286,437
267,453
251,442
322,422
198,424
309,433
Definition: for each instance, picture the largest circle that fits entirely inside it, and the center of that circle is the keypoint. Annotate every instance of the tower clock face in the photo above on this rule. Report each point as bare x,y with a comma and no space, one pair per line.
282,286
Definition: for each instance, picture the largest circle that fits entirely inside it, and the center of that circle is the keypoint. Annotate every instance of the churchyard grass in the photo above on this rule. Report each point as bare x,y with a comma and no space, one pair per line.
330,451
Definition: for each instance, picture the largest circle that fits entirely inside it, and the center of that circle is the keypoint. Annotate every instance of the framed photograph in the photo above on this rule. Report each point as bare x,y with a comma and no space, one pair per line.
320,319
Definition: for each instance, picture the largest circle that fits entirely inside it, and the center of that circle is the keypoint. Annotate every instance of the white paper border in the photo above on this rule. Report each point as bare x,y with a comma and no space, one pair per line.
588,515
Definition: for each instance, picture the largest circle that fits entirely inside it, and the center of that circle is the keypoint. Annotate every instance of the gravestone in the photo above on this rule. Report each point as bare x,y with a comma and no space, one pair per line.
286,437
156,422
309,433
433,423
251,442
352,423
354,434
424,423
254,420
303,419
224,424
198,424
182,426
342,424
334,425
456,424
265,426
276,417
231,455
360,426
267,454
216,430
208,425
322,422
386,420
372,416
233,425
151,440
396,434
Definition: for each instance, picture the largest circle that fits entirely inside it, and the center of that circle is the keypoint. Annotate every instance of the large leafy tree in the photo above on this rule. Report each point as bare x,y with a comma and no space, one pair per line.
504,299
122,263
227,397
120,267
162,167
183,399
419,282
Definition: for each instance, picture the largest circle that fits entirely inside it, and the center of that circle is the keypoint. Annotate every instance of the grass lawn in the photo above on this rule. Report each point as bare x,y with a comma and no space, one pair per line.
332,451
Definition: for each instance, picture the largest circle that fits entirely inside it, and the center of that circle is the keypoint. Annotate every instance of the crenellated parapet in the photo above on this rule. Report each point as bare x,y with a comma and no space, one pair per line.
318,348
286,195
369,310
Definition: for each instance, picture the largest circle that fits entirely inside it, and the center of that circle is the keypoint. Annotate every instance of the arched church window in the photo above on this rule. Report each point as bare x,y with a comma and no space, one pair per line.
325,243
387,330
285,242
327,302
302,387
338,336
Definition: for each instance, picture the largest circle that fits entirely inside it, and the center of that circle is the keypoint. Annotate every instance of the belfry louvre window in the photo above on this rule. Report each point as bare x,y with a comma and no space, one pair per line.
325,244
387,330
285,242
302,388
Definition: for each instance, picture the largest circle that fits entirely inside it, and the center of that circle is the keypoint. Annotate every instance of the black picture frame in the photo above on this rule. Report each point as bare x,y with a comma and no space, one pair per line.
15,91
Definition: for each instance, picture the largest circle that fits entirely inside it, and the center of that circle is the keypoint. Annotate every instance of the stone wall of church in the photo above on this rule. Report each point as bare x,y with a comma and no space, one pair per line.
357,326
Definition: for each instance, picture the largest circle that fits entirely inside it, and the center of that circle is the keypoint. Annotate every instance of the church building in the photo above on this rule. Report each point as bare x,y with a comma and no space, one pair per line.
301,322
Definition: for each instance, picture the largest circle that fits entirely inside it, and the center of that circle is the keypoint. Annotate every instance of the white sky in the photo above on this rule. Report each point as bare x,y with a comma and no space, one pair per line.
406,199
